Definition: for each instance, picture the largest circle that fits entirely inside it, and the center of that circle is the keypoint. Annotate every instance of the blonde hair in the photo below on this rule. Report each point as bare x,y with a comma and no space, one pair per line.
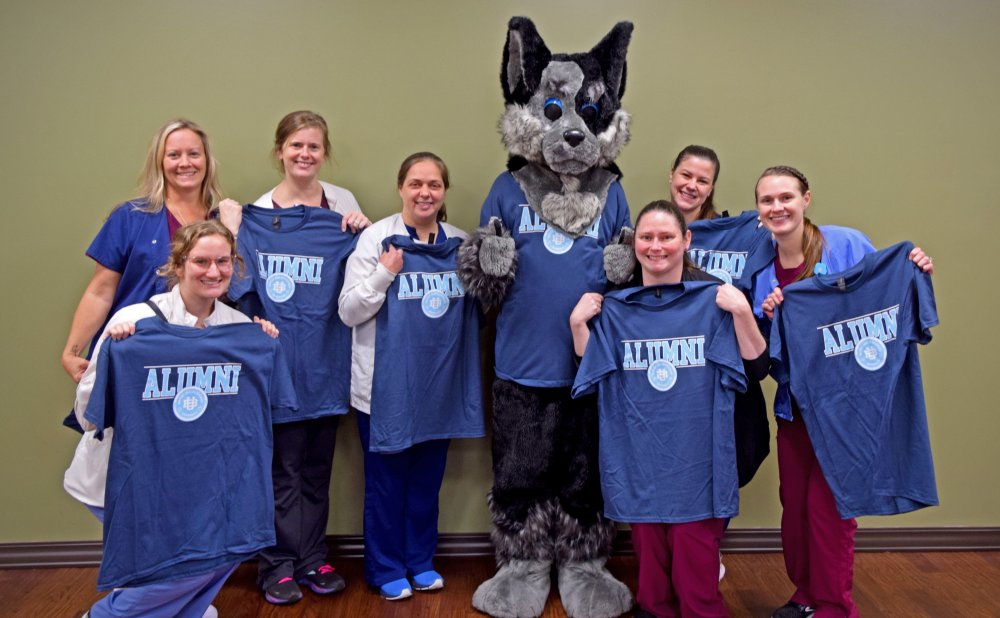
184,240
812,238
152,184
296,121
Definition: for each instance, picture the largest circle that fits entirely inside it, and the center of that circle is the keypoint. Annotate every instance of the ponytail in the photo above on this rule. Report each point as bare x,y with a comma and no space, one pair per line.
812,248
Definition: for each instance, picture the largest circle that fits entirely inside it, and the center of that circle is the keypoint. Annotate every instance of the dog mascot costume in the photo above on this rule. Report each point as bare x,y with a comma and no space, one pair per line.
555,225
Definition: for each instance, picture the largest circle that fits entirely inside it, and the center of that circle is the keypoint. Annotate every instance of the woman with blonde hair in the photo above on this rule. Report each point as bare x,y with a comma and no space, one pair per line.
178,185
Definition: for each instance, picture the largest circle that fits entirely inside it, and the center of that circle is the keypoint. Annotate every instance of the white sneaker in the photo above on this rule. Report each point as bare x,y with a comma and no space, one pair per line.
722,568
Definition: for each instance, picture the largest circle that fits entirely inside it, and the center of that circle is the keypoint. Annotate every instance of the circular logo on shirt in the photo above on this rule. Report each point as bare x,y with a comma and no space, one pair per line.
556,242
870,353
435,304
662,375
721,274
280,287
190,404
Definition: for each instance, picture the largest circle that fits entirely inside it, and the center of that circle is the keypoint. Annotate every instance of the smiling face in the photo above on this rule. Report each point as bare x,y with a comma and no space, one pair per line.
303,153
205,273
691,183
782,204
660,247
422,191
184,161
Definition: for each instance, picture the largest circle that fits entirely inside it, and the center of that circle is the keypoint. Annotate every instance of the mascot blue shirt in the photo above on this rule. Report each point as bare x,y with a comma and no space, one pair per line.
534,344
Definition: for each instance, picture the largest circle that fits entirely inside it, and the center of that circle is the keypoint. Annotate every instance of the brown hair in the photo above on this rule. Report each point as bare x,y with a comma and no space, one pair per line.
417,157
812,238
297,121
671,209
184,240
152,184
707,210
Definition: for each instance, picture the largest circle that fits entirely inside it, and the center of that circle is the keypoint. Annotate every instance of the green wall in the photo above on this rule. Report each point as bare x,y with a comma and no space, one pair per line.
891,108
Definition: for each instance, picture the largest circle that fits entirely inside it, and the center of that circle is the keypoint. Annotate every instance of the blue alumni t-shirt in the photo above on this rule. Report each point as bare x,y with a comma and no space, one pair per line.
189,475
733,249
295,261
426,383
846,344
534,345
666,364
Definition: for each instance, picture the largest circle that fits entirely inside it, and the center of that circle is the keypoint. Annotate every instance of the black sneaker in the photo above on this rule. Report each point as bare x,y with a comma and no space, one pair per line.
793,610
324,580
283,592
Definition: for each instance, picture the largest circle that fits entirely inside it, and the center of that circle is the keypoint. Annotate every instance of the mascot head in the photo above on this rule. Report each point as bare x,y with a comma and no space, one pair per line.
564,110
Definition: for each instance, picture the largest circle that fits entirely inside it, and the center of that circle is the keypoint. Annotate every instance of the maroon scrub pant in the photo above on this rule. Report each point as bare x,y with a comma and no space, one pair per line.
679,569
818,545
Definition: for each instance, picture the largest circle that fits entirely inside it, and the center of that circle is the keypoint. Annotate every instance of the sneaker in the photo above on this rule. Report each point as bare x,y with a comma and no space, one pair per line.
324,580
793,610
428,580
722,568
283,592
396,590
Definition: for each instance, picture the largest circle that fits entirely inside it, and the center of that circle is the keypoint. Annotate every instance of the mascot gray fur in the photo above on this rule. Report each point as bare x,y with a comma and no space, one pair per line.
555,225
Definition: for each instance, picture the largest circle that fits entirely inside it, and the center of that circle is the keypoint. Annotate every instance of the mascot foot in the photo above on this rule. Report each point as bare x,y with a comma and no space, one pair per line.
588,590
518,590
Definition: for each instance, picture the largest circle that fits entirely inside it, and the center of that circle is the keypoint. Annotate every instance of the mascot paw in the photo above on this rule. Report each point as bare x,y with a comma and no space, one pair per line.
588,590
619,258
497,253
518,590
487,261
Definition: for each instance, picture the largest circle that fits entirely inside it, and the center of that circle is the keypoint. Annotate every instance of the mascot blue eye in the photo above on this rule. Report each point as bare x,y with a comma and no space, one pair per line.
553,109
588,111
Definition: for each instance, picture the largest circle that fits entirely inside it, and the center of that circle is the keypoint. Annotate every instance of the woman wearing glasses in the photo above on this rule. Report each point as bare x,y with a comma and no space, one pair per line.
201,263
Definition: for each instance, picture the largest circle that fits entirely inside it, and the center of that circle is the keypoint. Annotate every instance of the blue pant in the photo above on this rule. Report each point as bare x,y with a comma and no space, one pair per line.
401,507
187,597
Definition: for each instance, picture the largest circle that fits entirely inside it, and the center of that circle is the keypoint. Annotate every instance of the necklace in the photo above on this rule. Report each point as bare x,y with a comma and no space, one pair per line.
177,215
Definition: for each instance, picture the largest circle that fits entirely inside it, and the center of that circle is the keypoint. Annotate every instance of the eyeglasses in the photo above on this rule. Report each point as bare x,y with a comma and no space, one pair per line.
204,263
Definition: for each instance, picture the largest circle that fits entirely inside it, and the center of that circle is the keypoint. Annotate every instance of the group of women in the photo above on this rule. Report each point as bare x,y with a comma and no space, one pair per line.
677,532
176,246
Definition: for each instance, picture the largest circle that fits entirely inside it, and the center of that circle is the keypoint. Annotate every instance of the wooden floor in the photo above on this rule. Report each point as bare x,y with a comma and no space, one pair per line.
933,585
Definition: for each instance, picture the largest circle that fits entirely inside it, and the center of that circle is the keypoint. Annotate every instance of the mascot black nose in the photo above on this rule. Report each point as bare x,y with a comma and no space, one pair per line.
573,137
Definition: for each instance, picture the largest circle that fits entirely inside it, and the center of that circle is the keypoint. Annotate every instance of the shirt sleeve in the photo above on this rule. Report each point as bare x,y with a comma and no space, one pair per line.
111,245
624,217
100,407
779,356
756,369
84,390
365,281
346,202
723,349
927,316
242,283
492,205
597,362
282,392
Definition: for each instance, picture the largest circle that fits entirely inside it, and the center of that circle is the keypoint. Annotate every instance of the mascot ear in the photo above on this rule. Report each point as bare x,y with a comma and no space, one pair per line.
525,56
610,53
